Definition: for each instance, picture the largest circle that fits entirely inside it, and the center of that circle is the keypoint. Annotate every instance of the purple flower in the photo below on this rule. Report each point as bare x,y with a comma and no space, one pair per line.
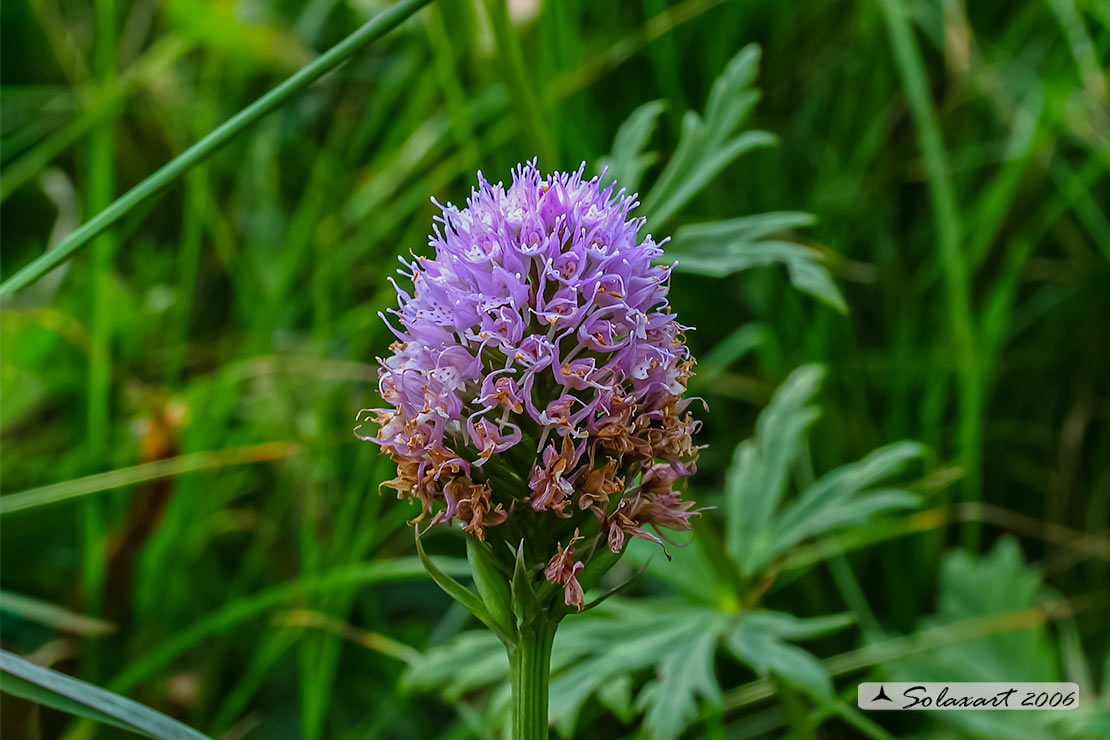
539,367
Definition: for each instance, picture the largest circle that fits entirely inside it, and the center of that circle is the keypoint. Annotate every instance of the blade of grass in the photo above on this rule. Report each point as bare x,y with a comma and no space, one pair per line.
946,221
245,608
997,314
1078,543
250,678
194,216
210,144
454,93
799,719
627,46
1091,72
851,715
451,167
43,686
103,103
167,468
53,616
370,640
520,87
991,208
1075,186
665,61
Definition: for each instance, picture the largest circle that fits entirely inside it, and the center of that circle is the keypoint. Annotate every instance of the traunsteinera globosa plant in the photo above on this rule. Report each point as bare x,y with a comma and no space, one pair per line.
535,396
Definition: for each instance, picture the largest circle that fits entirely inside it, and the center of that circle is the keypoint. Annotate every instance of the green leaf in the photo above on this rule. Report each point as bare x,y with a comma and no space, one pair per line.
616,696
788,627
755,483
756,480
671,701
834,500
472,660
491,581
628,161
799,667
759,641
525,602
864,507
624,641
805,266
974,587
728,102
43,686
759,647
837,486
720,248
704,147
707,167
460,593
746,229
694,570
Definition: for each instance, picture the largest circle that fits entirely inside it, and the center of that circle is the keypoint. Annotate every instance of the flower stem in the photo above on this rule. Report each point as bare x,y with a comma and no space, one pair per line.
530,661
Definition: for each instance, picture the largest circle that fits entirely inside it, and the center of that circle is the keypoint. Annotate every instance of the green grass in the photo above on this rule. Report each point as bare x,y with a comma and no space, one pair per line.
226,187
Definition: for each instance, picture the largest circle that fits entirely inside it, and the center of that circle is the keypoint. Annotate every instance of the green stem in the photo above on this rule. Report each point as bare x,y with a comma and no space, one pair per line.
530,663
102,183
795,710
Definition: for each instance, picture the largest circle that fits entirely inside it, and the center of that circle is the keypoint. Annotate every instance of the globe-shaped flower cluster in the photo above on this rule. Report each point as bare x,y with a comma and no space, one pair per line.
539,371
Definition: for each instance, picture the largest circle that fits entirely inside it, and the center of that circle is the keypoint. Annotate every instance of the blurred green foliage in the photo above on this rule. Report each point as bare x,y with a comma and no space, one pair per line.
955,158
